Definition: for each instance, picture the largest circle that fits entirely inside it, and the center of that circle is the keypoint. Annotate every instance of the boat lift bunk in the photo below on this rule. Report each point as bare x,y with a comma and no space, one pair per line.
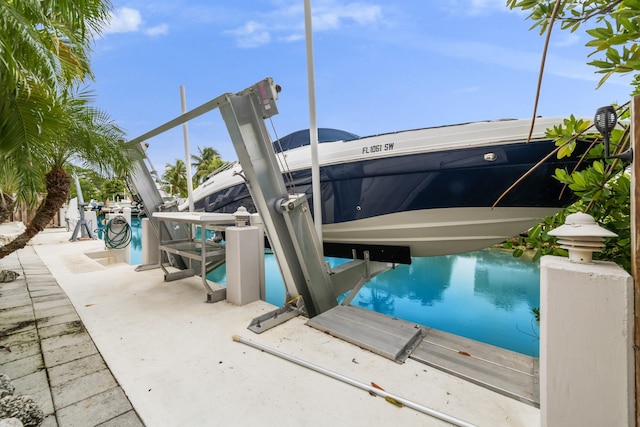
311,285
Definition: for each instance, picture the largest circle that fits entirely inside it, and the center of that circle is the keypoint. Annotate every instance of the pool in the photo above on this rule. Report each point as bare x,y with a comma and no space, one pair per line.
487,295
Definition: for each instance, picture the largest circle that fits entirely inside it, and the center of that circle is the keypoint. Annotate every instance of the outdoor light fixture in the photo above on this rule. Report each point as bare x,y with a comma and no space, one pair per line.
605,121
581,236
242,216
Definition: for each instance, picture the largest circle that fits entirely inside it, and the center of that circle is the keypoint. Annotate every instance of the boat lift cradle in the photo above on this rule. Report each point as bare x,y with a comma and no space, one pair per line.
312,287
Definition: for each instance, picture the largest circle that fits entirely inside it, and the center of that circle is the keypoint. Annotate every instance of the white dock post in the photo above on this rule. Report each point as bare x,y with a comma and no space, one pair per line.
586,338
126,212
149,244
92,222
243,260
62,212
256,221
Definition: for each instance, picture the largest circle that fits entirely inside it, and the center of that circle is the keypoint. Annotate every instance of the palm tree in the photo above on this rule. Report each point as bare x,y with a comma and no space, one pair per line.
175,177
43,52
206,162
90,139
44,123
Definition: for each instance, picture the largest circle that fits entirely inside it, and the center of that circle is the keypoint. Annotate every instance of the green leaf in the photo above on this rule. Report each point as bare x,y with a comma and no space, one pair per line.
534,233
599,167
579,179
537,256
566,150
600,33
562,175
613,55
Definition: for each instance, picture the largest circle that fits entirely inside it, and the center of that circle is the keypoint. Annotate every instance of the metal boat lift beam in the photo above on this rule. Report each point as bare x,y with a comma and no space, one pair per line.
287,219
144,182
299,253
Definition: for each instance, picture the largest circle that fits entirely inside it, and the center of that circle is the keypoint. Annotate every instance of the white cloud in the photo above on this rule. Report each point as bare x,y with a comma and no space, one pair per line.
467,89
158,30
292,37
124,20
516,59
564,39
475,7
487,4
128,20
287,23
334,16
251,34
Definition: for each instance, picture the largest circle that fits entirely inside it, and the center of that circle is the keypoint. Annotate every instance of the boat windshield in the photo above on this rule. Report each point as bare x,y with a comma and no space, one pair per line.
301,138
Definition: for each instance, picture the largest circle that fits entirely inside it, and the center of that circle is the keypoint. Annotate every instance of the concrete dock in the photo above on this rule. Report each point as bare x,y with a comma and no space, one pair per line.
105,345
49,355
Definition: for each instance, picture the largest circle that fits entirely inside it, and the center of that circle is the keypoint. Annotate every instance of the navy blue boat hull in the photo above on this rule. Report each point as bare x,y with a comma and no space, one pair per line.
460,178
449,183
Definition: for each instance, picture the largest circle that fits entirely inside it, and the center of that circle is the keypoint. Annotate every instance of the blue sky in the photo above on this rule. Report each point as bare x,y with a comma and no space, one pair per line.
379,66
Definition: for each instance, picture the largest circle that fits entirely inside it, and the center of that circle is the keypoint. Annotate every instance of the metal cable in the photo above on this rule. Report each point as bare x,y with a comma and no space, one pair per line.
283,161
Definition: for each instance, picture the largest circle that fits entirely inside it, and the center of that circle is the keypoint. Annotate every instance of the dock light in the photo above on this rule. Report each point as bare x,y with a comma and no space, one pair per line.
242,217
605,121
581,236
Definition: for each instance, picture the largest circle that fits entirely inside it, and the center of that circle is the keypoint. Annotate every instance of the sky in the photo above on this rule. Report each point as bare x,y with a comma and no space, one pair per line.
379,66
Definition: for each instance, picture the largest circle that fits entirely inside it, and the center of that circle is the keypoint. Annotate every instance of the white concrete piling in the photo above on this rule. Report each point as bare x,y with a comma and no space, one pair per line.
149,243
586,347
126,212
243,257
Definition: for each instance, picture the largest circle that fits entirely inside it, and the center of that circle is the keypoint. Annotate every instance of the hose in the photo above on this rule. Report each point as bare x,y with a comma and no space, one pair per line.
117,233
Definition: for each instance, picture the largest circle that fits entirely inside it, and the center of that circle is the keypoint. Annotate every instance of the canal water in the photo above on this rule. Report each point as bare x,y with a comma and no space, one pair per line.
487,295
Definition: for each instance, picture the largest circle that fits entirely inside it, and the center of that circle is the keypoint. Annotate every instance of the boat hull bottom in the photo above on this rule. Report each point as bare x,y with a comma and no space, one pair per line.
437,232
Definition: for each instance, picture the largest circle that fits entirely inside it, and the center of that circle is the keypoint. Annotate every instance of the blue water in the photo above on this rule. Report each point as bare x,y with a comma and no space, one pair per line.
487,295
136,241
136,238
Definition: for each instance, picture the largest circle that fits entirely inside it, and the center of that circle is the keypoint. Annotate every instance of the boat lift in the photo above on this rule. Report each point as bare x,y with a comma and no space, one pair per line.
312,287
309,281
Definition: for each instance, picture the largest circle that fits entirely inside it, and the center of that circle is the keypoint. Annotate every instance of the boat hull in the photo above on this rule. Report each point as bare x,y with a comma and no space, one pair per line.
436,232
405,191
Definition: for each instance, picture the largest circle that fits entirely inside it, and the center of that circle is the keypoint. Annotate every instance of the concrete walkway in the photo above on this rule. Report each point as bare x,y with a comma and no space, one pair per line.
48,354
170,360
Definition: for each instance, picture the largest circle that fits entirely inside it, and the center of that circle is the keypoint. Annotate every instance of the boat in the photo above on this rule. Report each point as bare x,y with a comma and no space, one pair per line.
415,193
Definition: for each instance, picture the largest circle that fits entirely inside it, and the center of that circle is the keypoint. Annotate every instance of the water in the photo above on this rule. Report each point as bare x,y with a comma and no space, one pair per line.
136,238
487,295
136,241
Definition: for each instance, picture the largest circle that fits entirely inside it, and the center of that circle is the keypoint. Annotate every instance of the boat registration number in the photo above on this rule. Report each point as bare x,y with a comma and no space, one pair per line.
377,148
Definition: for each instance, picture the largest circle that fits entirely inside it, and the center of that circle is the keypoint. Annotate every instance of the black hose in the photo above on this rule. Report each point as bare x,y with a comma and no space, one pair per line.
117,233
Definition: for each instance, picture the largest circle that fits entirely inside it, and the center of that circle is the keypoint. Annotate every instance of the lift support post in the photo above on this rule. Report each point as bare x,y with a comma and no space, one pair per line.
287,221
